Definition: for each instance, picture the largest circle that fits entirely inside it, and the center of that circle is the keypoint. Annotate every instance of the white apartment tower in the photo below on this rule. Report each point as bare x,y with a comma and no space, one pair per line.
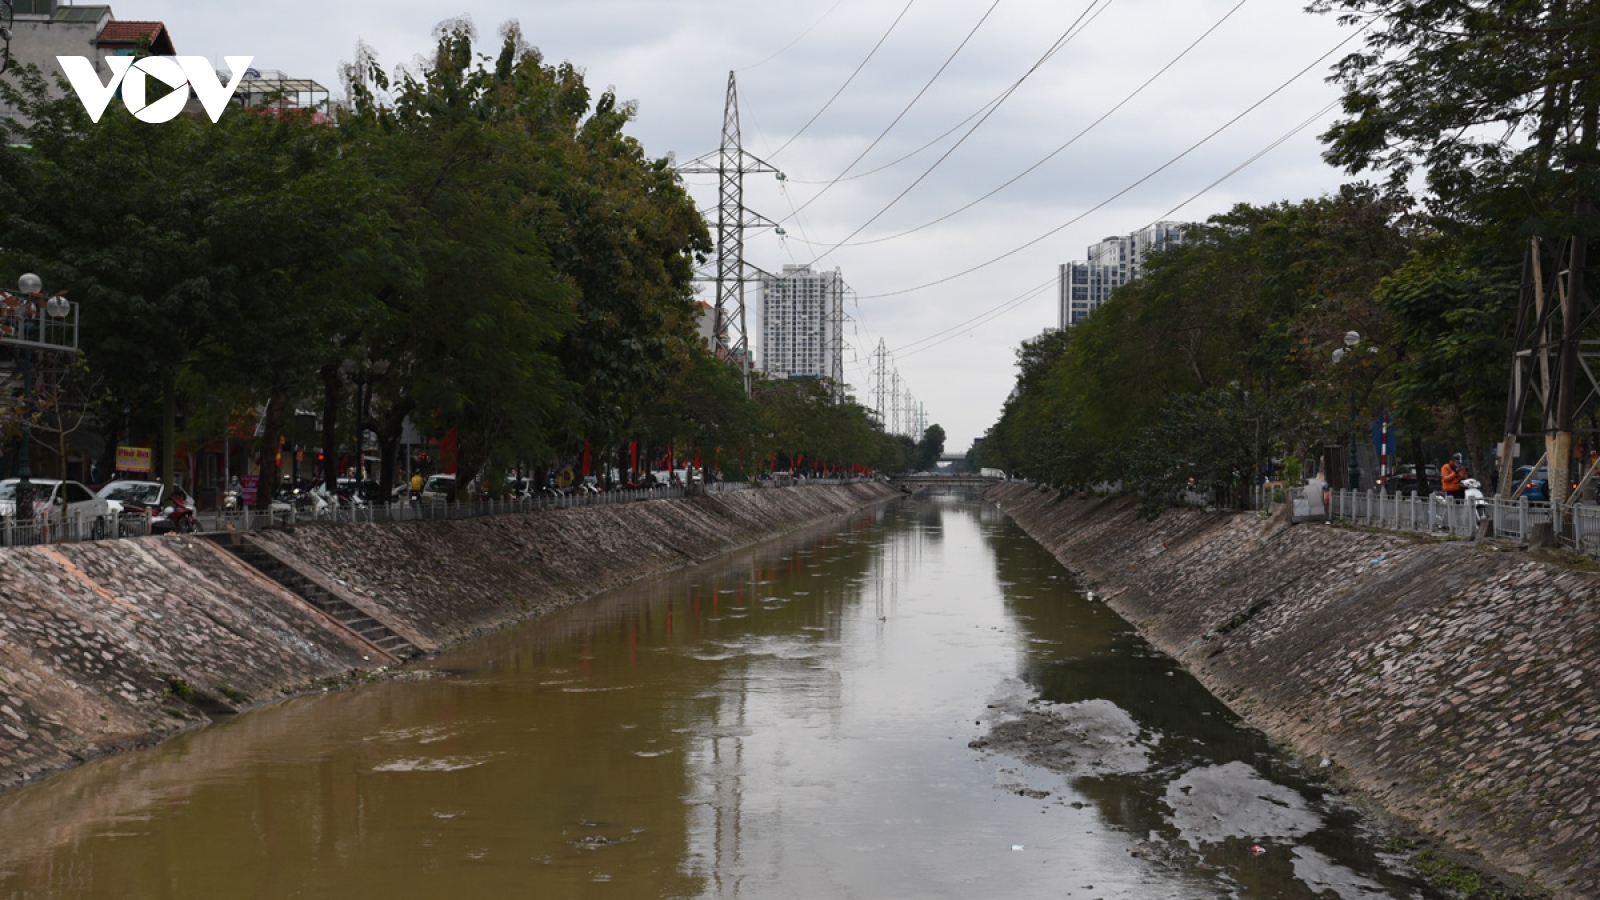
802,324
1083,286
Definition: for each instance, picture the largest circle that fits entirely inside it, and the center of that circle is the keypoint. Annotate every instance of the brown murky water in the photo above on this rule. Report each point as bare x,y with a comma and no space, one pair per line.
920,704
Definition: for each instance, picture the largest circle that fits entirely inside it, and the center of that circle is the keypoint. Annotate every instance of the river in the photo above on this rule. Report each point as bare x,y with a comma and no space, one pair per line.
917,703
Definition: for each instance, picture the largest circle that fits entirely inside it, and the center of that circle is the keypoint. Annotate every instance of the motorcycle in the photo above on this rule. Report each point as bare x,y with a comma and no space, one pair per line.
1474,499
1471,499
177,516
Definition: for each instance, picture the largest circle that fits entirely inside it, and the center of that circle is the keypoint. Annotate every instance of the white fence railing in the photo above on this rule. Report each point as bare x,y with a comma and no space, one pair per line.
15,533
1576,525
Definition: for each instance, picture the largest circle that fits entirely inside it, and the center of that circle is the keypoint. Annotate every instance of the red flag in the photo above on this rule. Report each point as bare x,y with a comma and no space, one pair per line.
585,457
633,452
697,459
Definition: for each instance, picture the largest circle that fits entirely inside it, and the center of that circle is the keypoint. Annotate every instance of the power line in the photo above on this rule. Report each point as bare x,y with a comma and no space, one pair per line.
1072,31
1106,202
803,34
1260,153
903,112
986,316
1074,139
1009,305
847,81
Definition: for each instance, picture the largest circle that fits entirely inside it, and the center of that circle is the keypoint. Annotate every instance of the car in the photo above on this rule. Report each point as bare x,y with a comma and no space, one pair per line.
1404,480
150,497
438,487
367,490
58,501
133,496
1532,483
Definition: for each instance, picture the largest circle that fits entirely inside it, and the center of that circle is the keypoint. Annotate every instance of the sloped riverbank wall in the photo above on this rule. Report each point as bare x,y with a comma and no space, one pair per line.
1457,685
114,644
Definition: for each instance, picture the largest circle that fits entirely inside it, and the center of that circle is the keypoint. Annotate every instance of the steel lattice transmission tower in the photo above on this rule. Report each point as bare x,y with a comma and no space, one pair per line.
730,163
1554,365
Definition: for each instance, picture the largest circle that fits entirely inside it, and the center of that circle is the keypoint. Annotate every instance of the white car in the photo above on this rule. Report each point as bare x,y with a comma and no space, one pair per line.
438,487
58,501
123,496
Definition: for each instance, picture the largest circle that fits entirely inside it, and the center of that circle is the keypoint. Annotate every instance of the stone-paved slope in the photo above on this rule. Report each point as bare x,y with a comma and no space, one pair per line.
119,643
1457,684
446,581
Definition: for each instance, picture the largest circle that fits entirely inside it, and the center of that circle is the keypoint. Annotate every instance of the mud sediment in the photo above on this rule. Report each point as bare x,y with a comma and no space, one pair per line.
115,644
1457,685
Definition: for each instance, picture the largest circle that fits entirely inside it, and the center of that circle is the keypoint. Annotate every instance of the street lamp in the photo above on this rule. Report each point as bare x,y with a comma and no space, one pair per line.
57,307
1351,339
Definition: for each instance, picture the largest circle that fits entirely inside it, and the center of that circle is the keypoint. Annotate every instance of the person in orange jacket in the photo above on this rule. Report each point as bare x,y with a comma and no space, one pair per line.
1451,474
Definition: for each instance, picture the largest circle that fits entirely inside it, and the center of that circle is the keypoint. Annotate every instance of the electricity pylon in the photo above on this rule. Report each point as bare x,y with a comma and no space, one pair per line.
730,163
880,384
1554,365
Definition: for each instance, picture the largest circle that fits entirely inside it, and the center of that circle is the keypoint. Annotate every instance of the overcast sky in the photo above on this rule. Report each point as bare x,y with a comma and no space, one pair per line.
912,277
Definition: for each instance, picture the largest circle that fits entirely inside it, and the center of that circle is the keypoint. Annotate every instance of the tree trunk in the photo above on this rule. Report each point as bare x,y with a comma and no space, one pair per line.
271,436
389,431
332,388
169,428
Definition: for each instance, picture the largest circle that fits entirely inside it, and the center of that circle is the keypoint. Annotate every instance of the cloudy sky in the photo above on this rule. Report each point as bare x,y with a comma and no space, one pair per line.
1022,131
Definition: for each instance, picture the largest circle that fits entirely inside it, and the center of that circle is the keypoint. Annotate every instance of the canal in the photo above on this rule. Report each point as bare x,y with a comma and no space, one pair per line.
918,702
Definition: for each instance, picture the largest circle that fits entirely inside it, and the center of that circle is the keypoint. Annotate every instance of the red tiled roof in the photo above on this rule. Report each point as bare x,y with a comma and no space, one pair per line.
121,32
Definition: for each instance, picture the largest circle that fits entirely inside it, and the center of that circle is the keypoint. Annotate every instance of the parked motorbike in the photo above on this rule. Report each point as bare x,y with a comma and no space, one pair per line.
1474,498
177,516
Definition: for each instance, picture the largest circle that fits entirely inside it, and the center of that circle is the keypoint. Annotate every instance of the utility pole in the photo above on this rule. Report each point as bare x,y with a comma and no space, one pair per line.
880,384
894,399
730,163
1549,359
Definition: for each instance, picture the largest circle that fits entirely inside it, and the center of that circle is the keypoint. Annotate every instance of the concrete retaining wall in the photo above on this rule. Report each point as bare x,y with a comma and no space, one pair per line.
118,643
1458,685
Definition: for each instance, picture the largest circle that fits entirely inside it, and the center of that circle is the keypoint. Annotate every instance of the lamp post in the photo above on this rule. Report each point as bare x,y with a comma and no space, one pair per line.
29,286
1351,339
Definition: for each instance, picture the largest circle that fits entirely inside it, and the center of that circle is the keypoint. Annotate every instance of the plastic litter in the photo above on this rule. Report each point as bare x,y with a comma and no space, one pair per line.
1016,846
1257,849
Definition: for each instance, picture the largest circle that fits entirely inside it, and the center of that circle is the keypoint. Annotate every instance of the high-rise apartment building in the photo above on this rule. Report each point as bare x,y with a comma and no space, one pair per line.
1084,286
802,324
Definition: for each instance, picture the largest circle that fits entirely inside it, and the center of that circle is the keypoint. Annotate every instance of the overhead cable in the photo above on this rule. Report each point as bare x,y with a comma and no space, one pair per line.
1106,202
847,81
1074,139
1072,31
797,40
902,115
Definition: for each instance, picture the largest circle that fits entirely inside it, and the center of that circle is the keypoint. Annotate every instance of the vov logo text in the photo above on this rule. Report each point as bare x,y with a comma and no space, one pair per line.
181,73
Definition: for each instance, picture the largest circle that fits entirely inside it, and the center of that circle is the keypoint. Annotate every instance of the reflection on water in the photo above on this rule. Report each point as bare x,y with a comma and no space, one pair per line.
917,704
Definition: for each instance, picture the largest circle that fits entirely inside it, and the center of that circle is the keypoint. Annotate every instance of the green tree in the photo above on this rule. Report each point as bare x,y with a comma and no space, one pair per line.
1496,104
930,448
195,247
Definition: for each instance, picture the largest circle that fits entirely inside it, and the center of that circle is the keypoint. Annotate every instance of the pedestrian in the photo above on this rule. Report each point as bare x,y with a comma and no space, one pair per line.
1451,474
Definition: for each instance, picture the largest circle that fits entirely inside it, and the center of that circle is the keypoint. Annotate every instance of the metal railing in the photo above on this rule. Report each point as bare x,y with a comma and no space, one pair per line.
1575,525
15,533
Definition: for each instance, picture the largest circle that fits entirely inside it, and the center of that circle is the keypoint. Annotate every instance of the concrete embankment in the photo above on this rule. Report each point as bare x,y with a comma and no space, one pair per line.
119,643
1457,685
